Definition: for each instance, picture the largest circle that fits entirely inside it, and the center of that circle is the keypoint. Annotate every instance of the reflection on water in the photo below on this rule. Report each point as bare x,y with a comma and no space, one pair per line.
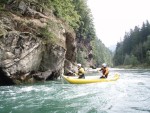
130,94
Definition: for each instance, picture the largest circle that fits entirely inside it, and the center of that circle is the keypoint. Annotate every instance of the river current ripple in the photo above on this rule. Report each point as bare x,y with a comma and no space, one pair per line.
130,94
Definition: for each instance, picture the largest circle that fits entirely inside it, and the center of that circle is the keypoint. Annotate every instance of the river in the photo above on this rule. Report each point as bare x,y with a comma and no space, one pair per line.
130,94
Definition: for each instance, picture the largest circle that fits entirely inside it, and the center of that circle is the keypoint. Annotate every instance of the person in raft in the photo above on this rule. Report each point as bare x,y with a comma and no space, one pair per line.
81,71
69,71
104,70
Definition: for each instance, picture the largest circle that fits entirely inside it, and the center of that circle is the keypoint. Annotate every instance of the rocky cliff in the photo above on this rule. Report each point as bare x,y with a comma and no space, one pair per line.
34,44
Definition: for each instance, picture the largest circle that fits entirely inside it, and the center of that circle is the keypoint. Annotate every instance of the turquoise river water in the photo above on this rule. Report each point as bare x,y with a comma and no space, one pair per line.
130,94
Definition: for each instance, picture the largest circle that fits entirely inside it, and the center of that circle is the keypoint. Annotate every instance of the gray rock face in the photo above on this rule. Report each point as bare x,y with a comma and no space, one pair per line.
21,53
28,55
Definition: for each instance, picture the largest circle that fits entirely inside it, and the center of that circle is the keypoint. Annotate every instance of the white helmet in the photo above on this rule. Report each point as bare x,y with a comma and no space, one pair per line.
104,65
79,65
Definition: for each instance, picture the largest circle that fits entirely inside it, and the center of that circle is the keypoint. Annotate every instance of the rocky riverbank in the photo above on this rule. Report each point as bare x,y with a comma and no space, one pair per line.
34,44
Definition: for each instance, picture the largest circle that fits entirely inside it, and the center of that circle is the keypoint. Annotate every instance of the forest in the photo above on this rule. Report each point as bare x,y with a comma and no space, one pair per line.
134,50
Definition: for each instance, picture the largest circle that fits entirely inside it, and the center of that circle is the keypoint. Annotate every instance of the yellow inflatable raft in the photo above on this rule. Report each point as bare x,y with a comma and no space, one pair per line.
75,80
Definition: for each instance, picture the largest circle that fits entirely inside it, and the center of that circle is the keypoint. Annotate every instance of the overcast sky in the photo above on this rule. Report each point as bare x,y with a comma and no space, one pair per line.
112,18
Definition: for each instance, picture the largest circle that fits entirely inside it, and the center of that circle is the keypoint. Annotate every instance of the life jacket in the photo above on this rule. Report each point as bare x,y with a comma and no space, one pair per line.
81,71
105,71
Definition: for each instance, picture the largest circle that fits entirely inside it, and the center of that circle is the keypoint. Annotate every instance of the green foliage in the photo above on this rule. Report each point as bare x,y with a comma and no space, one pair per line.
48,37
86,27
148,56
133,60
101,53
119,55
4,1
127,60
65,9
86,33
146,44
130,60
134,48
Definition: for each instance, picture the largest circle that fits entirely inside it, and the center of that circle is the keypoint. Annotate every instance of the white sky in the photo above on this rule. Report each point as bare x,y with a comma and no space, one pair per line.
112,18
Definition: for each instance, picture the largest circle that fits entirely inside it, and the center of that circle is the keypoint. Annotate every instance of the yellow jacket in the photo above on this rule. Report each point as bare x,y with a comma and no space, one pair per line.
80,71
